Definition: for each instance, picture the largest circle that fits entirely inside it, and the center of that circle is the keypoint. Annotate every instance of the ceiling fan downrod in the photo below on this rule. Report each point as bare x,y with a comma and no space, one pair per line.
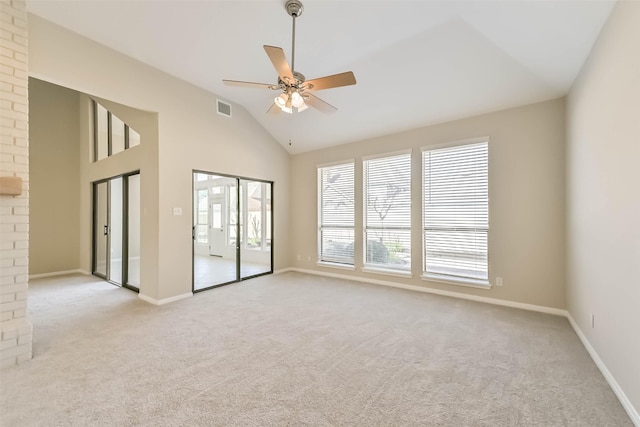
294,9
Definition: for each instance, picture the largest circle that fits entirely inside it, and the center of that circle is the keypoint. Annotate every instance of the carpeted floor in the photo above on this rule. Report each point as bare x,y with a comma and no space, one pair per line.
292,350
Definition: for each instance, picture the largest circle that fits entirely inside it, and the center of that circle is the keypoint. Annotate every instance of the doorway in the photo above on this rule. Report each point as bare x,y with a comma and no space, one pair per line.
232,229
116,230
217,217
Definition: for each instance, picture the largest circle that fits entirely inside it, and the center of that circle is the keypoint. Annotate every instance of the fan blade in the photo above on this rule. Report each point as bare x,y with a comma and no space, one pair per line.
279,61
320,105
249,84
328,82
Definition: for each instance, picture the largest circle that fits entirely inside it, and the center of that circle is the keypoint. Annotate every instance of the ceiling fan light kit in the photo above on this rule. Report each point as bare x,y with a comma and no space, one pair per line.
295,88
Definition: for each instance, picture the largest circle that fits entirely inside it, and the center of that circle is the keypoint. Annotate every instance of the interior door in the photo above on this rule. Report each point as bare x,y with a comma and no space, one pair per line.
216,229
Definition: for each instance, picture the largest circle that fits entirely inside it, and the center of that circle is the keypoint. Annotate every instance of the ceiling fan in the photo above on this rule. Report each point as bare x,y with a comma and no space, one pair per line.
296,91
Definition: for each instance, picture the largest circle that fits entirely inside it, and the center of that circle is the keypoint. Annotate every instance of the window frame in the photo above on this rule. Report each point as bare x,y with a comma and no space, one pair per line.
483,283
387,268
109,129
322,259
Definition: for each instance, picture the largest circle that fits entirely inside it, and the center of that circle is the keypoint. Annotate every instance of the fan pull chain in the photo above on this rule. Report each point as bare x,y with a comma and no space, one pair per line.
290,119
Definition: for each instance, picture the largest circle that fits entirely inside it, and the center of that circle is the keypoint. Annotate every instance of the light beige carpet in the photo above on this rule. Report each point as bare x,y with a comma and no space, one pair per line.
293,349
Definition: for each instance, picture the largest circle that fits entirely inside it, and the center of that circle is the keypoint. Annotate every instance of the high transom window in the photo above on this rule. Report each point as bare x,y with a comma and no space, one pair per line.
111,135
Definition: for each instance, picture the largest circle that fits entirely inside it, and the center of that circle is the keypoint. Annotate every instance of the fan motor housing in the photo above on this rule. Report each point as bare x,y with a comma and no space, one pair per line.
294,8
299,77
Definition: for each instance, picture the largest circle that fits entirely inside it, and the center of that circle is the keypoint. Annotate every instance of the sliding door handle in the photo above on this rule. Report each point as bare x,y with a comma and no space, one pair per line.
106,230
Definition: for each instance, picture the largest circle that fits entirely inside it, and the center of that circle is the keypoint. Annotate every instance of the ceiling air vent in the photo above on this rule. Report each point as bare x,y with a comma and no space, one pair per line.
224,108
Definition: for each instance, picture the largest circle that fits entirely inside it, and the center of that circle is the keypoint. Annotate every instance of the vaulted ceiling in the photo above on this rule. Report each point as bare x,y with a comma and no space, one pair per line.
416,62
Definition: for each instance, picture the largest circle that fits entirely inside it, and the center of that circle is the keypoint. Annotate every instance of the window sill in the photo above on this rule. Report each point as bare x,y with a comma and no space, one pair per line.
335,265
388,272
458,281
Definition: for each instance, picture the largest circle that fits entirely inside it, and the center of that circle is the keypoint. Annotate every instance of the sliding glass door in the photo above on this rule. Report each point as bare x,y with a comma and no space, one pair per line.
255,236
214,230
132,231
100,228
231,229
116,230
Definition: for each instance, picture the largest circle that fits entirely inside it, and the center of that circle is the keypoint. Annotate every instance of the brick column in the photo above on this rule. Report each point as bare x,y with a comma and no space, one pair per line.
15,328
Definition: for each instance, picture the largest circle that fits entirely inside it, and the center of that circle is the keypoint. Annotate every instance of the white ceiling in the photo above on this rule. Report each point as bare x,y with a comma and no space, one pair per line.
416,62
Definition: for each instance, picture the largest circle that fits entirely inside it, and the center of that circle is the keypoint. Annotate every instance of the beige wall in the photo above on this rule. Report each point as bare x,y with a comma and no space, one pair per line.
603,203
526,179
191,135
54,154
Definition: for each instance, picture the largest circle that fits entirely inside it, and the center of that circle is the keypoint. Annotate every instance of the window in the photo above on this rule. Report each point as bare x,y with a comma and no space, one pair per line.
111,135
202,217
134,137
336,213
387,212
117,135
456,211
101,124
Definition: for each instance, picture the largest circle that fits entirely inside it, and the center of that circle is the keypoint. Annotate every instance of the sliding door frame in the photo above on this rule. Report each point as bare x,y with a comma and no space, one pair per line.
239,241
125,229
94,229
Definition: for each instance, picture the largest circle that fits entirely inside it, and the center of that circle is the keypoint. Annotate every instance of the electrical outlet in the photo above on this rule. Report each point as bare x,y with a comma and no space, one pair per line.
299,257
593,321
499,281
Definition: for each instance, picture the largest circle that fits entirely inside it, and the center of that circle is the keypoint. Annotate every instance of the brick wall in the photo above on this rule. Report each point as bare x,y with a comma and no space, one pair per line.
15,328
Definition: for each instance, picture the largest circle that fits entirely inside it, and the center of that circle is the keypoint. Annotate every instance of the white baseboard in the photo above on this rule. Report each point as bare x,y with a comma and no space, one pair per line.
165,300
58,273
622,397
494,301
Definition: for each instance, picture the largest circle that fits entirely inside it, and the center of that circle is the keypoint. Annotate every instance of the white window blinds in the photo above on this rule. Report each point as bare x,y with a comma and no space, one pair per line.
336,213
387,212
456,210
